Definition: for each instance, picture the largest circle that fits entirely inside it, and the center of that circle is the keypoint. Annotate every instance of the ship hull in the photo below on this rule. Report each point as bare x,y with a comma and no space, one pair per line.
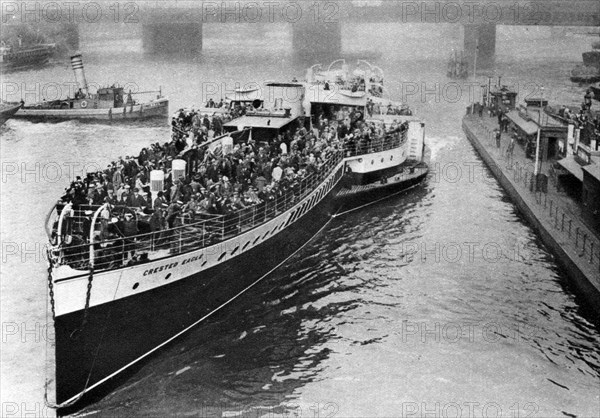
122,332
20,61
353,196
591,59
8,113
157,108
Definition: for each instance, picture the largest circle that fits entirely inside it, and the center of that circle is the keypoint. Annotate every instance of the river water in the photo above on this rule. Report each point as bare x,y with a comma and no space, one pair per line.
442,301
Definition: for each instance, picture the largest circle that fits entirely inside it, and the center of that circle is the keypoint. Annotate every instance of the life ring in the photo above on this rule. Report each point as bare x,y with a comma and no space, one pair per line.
83,104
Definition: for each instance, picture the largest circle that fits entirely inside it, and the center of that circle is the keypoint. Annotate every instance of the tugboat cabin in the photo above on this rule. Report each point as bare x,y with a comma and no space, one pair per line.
106,98
112,97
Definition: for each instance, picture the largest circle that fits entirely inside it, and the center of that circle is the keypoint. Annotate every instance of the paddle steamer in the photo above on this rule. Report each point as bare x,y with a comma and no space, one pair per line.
118,298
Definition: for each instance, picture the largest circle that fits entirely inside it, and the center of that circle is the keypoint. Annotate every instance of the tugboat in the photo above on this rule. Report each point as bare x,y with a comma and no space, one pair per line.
7,111
21,57
109,103
457,65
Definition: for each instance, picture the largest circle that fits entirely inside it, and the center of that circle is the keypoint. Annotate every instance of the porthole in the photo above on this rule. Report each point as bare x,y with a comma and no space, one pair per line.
203,264
391,157
360,160
222,256
135,286
382,160
168,276
246,245
235,250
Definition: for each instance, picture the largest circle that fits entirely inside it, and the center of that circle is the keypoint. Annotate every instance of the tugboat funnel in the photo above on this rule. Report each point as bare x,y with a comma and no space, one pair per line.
77,64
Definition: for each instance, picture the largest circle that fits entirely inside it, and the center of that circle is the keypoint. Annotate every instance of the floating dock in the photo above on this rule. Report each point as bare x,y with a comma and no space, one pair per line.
553,215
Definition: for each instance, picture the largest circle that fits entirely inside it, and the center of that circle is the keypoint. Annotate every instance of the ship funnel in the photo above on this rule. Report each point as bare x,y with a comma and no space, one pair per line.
77,64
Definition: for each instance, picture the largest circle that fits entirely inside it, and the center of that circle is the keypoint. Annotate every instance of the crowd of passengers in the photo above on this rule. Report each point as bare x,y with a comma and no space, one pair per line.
217,182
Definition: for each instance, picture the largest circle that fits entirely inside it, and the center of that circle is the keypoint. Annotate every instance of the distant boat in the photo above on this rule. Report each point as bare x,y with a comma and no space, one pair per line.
7,110
589,72
16,58
592,58
585,74
108,103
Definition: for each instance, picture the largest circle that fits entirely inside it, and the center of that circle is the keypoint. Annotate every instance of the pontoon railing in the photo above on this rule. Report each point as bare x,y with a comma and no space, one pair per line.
191,230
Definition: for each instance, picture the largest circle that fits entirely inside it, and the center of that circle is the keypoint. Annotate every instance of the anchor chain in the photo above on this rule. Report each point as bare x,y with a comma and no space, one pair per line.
87,298
51,287
77,331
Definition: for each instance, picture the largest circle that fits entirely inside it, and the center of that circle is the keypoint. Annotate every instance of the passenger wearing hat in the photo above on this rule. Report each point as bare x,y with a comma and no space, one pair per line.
195,184
144,200
110,197
126,195
192,206
225,188
134,199
206,122
129,228
175,192
173,211
160,203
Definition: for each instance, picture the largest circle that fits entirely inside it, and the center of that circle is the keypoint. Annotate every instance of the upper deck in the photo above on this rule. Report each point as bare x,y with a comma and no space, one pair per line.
91,236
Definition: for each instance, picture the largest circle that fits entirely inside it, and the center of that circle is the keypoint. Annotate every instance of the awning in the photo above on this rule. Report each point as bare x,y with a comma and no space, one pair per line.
593,170
245,95
572,167
526,126
317,94
272,122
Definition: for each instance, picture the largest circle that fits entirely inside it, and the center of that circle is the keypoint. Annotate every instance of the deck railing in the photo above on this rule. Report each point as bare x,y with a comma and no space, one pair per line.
381,143
190,231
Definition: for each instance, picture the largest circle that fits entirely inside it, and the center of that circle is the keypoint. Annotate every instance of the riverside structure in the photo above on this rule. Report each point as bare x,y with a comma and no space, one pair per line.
559,218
